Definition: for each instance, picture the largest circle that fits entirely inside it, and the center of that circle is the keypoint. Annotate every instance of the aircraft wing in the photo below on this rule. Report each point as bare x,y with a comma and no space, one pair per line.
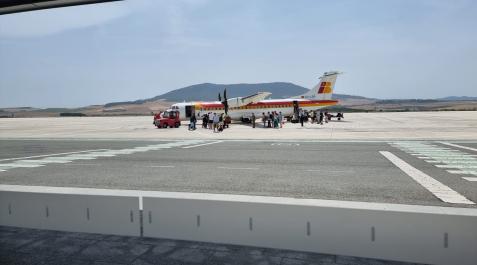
242,101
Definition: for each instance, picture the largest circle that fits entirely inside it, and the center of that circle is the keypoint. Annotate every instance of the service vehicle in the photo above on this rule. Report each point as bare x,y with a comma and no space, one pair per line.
169,118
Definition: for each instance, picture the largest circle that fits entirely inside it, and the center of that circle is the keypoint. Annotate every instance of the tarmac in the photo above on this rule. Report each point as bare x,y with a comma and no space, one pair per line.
425,158
451,125
349,171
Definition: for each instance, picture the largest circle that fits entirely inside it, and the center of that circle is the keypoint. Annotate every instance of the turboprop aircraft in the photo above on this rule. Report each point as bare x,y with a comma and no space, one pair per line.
241,108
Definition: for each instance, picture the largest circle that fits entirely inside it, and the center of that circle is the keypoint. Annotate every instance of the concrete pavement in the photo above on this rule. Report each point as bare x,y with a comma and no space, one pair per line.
460,125
350,171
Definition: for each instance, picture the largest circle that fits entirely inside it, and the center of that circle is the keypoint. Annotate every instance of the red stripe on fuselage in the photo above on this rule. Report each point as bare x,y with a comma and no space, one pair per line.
271,103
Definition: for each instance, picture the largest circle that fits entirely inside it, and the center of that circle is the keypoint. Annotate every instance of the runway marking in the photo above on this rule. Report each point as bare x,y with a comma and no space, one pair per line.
439,190
28,157
285,144
192,146
328,171
81,164
449,162
459,146
94,154
470,178
163,166
239,168
441,157
470,172
456,166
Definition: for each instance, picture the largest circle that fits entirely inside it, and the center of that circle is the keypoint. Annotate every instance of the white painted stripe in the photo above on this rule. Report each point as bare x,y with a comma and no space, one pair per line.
57,154
454,158
192,146
453,162
470,178
456,166
239,168
163,166
460,146
469,172
10,165
56,160
82,164
444,154
439,190
82,155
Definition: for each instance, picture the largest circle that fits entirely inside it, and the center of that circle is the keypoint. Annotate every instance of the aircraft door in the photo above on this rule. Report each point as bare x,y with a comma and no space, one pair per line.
295,108
188,111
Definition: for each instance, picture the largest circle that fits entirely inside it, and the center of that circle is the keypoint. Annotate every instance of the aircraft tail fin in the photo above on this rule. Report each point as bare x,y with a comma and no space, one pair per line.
324,89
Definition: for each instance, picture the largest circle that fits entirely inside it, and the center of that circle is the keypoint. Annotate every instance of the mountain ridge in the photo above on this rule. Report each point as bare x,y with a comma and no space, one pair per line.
210,91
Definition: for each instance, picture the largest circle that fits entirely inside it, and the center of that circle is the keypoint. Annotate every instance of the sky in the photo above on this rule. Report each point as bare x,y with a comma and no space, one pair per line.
136,49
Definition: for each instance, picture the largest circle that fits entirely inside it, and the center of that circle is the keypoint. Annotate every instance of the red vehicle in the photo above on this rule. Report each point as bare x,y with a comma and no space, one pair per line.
168,118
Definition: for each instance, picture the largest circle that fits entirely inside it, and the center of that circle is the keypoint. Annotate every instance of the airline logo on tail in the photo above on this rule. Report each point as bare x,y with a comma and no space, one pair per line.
325,88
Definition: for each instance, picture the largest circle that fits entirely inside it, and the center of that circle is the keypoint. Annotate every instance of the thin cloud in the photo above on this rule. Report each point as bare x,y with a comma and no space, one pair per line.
53,21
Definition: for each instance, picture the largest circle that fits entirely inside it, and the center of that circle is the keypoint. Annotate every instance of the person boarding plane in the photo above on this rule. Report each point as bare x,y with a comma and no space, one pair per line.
242,108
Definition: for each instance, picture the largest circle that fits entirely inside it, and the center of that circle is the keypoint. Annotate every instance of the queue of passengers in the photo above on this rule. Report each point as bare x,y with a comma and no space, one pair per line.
211,121
218,122
270,120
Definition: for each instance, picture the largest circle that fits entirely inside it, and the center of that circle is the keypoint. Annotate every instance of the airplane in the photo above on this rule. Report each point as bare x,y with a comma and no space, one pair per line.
241,108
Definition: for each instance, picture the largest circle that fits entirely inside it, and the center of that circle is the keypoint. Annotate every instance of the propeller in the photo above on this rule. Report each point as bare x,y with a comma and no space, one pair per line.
226,104
220,98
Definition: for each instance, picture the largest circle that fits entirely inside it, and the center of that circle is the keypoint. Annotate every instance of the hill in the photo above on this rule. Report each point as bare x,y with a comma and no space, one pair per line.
208,91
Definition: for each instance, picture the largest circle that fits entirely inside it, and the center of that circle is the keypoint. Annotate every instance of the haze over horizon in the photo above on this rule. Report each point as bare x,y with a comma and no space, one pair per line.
128,50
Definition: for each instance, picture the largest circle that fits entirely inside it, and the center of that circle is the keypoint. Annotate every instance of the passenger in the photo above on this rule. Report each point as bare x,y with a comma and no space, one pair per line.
211,120
264,119
280,119
302,117
205,121
193,120
321,118
275,120
253,120
270,119
216,121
